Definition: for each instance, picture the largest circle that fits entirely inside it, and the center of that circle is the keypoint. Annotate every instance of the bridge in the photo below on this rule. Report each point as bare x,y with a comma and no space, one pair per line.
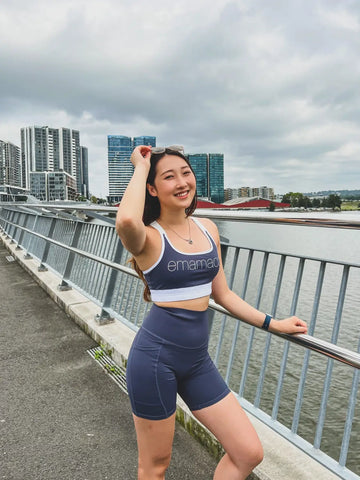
72,251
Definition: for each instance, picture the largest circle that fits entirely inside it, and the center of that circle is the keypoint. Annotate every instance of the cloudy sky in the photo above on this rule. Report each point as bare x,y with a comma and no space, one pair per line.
273,84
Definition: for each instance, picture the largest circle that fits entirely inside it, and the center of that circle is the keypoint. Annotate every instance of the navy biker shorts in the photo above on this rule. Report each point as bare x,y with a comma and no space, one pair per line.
168,356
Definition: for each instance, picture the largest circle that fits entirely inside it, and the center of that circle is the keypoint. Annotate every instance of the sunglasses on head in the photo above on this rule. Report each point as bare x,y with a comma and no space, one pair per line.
173,148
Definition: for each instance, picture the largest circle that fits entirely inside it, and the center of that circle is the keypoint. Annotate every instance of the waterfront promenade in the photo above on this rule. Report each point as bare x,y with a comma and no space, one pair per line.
61,416
110,442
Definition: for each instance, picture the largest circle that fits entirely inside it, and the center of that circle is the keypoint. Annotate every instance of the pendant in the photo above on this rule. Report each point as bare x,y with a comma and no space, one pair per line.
190,241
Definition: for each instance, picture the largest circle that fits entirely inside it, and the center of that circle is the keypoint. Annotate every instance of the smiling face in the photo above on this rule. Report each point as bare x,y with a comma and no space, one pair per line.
174,184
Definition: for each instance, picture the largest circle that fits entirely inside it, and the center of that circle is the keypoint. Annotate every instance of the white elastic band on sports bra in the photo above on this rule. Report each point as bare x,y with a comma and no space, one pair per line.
178,294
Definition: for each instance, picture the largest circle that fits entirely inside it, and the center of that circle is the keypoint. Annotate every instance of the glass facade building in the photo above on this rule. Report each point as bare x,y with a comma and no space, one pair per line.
199,163
216,177
144,140
120,168
209,172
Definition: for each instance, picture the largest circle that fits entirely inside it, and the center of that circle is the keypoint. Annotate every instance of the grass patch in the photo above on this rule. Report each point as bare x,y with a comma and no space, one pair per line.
350,205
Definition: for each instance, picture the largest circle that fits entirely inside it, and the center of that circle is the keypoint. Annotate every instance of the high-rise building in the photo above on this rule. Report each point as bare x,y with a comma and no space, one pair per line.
120,168
144,140
46,149
209,172
216,177
199,163
9,164
83,186
70,152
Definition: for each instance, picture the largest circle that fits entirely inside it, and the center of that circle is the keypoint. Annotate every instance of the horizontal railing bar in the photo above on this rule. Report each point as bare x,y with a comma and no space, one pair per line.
321,346
310,222
219,214
87,255
293,255
274,252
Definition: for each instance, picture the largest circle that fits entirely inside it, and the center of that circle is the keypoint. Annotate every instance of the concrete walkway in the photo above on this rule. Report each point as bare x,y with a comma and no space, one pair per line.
61,416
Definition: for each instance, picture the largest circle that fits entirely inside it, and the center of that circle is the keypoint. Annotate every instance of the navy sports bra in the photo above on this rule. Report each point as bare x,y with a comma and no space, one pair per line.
182,276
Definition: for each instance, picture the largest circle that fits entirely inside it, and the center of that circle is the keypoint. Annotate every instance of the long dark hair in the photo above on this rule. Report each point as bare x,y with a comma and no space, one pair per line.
152,206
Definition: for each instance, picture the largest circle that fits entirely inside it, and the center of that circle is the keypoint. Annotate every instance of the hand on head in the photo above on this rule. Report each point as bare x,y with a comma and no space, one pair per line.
141,154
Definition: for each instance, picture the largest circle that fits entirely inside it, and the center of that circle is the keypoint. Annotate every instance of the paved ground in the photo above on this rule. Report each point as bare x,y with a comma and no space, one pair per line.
61,416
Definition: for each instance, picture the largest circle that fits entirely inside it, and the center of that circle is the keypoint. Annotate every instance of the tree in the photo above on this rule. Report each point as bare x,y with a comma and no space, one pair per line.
334,201
81,198
272,207
297,199
286,198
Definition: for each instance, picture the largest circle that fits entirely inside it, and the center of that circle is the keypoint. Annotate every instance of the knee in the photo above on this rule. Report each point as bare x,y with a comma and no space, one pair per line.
257,455
254,454
154,468
250,458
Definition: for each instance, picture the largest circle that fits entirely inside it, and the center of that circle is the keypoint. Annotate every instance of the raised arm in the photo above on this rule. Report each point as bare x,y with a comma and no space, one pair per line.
129,223
225,297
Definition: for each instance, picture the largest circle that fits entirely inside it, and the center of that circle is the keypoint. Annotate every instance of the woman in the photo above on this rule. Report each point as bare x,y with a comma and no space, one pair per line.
179,259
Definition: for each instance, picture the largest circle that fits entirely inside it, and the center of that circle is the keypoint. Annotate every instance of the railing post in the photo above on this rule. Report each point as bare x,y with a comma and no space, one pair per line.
281,376
252,329
13,227
22,232
268,339
224,252
350,416
42,267
105,316
74,243
237,325
16,227
8,223
330,363
27,254
301,388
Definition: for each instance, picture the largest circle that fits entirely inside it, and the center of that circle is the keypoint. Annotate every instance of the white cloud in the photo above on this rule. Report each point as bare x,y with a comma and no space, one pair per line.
340,18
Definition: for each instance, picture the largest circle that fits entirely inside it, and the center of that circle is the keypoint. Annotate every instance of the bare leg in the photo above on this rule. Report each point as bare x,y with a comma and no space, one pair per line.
154,439
229,423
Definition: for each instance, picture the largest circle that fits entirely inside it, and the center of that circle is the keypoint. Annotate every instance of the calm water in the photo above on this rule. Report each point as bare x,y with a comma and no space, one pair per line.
336,244
330,243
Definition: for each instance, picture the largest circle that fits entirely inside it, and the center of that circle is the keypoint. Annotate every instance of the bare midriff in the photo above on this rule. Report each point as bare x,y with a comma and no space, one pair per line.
198,304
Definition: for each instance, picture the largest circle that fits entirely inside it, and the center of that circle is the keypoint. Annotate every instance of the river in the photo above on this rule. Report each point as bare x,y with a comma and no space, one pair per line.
332,244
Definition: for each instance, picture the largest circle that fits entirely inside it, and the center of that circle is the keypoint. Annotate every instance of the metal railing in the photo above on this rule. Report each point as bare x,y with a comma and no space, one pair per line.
310,399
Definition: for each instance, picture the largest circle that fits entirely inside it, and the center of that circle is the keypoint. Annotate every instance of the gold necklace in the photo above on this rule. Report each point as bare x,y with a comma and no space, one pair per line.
188,240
